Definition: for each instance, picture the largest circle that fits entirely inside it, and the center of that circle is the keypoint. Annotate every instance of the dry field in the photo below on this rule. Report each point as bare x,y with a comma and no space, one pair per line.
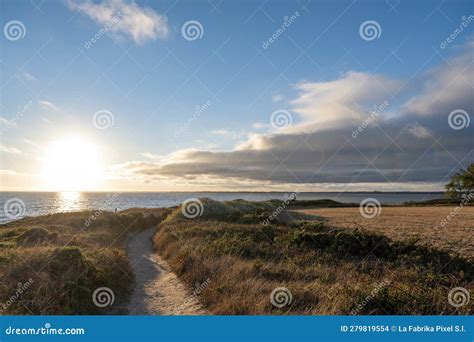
402,223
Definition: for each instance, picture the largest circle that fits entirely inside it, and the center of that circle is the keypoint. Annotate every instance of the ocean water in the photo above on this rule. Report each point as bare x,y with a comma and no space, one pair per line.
14,205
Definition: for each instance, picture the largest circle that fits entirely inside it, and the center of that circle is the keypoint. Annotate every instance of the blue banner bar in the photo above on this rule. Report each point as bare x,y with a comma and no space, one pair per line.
238,328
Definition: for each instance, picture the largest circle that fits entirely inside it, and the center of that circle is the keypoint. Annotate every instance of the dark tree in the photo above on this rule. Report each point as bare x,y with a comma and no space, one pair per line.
461,184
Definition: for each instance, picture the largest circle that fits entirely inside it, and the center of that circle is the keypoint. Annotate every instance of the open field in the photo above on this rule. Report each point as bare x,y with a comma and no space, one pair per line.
401,223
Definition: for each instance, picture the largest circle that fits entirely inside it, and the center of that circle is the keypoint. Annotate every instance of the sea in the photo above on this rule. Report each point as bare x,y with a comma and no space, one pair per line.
15,205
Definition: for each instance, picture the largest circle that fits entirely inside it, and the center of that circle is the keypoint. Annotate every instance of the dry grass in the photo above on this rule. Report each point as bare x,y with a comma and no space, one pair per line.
67,256
401,223
327,270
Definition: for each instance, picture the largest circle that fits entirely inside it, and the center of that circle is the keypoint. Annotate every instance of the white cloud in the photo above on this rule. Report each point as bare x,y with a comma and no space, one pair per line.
452,82
8,149
139,23
225,133
342,102
152,156
260,125
47,104
419,131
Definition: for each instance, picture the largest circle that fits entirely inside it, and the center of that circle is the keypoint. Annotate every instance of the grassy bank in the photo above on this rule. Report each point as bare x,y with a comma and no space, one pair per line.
327,270
52,264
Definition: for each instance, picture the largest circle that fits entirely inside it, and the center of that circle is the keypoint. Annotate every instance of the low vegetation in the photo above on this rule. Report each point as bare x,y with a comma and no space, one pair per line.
52,264
327,270
234,255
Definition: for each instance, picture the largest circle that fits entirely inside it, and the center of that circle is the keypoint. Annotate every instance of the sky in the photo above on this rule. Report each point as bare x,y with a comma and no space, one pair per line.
120,95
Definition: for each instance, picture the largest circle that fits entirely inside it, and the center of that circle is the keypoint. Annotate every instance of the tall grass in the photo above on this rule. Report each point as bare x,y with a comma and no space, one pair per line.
64,257
327,270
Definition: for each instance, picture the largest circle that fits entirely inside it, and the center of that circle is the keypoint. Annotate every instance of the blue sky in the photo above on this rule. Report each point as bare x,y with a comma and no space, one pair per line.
151,79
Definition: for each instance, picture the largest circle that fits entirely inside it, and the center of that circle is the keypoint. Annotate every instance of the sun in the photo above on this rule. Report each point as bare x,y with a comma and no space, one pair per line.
72,164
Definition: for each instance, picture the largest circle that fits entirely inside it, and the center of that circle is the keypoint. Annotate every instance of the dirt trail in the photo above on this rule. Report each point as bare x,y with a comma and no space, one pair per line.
158,291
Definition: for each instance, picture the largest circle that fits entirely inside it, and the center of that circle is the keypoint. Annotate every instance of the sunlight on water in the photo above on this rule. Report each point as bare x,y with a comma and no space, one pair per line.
70,201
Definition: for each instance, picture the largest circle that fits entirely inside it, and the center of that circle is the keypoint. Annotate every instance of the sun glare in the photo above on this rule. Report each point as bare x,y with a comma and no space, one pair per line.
72,164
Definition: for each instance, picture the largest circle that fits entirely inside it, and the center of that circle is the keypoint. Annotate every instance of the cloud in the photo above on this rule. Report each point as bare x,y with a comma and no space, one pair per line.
409,142
342,102
27,76
8,149
419,131
446,87
225,133
48,105
46,120
139,23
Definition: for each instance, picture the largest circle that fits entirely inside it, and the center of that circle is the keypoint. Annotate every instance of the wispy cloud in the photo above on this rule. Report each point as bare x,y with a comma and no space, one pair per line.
225,133
27,76
9,149
137,22
47,104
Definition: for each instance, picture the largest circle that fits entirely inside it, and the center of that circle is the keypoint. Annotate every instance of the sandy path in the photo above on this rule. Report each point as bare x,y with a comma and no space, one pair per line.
158,291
